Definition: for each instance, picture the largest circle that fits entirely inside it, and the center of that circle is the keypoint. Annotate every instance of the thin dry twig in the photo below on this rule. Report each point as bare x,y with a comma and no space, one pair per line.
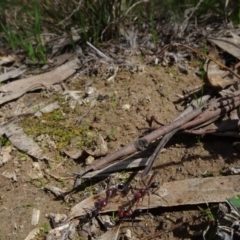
208,57
101,54
74,11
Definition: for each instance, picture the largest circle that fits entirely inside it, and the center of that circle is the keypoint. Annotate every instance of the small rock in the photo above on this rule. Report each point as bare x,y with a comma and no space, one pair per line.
128,233
89,160
223,208
36,166
47,109
73,153
103,148
5,155
35,216
10,175
90,91
126,107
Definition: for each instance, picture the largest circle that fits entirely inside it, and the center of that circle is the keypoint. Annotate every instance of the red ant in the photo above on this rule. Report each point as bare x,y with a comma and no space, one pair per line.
98,206
142,192
102,203
111,192
126,214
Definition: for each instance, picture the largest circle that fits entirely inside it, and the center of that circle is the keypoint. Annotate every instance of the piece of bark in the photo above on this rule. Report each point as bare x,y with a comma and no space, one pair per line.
118,166
21,141
12,74
177,193
46,80
33,234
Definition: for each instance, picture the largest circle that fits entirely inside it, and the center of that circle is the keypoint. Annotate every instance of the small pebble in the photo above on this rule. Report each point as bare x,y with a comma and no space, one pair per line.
89,160
36,166
128,233
90,90
126,107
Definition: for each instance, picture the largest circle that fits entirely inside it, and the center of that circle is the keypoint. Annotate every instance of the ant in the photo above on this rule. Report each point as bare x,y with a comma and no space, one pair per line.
111,192
143,191
102,203
94,213
98,206
126,214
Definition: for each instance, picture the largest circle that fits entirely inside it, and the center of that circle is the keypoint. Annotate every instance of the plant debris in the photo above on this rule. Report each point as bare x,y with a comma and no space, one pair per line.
92,93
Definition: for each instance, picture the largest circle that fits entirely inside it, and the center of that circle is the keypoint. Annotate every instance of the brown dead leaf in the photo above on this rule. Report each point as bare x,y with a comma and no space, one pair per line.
230,45
120,166
217,77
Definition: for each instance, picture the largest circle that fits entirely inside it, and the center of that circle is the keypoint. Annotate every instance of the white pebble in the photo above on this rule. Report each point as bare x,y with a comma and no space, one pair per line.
126,107
89,160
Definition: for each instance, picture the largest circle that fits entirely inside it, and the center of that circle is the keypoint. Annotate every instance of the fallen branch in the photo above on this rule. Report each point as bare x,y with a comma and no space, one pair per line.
213,108
142,143
169,135
209,113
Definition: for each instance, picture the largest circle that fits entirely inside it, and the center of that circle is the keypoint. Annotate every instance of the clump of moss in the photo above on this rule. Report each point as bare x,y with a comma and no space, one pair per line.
4,141
55,126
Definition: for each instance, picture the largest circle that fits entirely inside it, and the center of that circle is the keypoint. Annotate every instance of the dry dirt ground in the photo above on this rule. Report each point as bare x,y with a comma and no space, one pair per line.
150,90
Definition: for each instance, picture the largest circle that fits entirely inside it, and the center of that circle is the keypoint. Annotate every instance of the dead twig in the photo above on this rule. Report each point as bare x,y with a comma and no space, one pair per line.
208,57
73,12
142,143
218,109
169,135
86,113
101,54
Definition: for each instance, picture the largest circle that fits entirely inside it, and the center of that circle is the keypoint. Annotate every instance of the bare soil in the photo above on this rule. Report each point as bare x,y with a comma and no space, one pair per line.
149,91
